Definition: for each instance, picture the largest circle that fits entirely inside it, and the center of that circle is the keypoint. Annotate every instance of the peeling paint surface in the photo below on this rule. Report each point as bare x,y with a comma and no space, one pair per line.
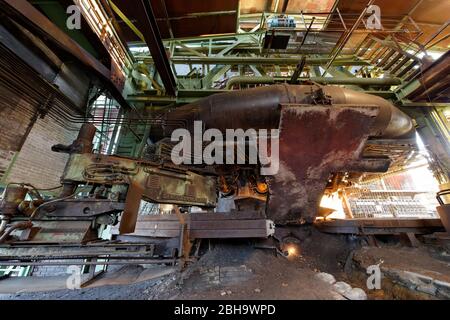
315,141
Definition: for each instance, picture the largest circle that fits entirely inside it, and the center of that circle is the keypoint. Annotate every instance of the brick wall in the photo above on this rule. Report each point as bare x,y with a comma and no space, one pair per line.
14,122
36,163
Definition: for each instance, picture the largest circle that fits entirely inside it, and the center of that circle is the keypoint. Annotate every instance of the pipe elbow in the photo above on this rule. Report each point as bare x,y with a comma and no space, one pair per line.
391,122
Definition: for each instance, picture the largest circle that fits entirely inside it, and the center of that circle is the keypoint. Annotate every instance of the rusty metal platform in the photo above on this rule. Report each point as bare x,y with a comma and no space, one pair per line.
204,226
158,239
380,226
95,253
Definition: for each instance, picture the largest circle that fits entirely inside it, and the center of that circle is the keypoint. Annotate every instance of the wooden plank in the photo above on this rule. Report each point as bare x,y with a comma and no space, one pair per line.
242,215
204,234
151,225
376,231
160,217
229,224
223,224
202,225
158,233
383,223
380,226
226,234
205,216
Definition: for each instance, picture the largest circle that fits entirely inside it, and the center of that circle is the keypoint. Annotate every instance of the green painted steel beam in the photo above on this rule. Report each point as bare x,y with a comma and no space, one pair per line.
188,96
425,104
408,88
354,81
234,60
214,75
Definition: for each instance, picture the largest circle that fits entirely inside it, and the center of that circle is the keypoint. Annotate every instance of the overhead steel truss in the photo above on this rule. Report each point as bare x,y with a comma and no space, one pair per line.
321,40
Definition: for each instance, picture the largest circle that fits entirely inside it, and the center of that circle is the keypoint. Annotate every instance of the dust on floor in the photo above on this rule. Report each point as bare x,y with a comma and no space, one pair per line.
241,272
236,270
228,271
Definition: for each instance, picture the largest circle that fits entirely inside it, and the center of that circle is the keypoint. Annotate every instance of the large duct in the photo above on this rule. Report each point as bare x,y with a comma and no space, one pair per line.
259,108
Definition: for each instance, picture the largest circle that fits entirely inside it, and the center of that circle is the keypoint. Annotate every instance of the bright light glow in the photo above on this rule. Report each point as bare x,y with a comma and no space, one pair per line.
333,202
433,54
292,250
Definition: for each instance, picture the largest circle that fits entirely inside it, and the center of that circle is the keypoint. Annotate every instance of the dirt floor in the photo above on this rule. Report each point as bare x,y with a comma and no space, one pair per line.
240,272
251,270
232,271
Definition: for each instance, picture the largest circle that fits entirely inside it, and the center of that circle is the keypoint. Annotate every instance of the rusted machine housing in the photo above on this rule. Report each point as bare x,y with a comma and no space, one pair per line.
133,180
324,130
115,185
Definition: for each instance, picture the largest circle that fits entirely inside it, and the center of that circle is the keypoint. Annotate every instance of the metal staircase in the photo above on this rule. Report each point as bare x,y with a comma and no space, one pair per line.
389,57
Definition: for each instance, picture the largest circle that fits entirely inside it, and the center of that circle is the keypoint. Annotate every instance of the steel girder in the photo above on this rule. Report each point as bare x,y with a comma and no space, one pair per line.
153,39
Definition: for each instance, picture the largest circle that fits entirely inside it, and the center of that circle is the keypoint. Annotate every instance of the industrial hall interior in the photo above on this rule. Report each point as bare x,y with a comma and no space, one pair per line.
224,150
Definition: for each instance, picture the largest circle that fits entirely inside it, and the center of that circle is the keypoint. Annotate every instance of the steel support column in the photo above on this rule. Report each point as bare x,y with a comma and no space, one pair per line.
153,39
257,60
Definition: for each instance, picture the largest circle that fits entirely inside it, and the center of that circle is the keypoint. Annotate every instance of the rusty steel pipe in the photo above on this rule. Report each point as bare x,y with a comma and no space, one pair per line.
237,80
83,144
84,141
259,108
13,195
433,79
